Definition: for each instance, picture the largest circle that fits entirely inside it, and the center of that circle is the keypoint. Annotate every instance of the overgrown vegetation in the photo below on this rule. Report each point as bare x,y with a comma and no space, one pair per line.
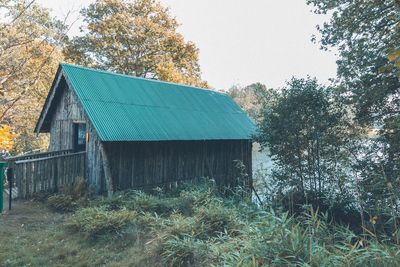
69,198
95,221
336,147
208,230
332,199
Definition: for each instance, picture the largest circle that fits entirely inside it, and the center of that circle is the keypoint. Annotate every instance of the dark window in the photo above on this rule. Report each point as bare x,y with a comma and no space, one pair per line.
79,137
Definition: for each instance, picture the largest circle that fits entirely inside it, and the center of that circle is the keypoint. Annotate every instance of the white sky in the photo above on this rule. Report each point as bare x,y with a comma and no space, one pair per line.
243,41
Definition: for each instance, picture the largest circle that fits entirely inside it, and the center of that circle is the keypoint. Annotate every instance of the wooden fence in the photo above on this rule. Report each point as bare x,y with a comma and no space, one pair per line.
46,173
39,155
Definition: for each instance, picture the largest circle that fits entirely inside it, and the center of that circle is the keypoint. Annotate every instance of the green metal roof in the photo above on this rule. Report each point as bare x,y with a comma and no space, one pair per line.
127,108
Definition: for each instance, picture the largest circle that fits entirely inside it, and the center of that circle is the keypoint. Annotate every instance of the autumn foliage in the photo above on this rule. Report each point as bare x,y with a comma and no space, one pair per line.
7,137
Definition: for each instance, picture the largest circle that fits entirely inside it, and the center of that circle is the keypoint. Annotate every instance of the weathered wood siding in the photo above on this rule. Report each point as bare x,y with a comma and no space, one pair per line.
68,110
95,171
140,165
47,173
151,164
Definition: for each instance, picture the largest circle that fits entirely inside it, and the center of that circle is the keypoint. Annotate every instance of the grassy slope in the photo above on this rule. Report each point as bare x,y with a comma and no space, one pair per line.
195,228
32,235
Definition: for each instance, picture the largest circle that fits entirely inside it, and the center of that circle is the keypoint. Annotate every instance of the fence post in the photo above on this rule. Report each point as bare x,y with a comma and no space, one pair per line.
10,180
55,174
2,164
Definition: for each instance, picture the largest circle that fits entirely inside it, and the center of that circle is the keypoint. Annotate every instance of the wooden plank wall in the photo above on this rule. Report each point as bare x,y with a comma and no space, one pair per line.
68,110
94,163
152,164
47,173
141,164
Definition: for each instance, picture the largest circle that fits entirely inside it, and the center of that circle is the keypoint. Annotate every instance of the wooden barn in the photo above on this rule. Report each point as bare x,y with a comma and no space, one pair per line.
123,132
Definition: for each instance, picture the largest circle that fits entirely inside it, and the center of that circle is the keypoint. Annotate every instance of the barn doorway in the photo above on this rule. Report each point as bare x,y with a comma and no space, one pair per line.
80,137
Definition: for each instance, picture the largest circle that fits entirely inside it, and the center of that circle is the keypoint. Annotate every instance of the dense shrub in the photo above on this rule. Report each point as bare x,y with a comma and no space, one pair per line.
78,189
177,241
185,251
69,198
62,203
95,221
215,218
41,196
141,202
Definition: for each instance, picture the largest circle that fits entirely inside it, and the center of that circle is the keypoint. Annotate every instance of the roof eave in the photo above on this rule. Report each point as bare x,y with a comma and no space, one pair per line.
48,102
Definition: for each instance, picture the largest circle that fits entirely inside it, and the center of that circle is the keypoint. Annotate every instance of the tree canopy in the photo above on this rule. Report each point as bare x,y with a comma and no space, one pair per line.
137,38
31,48
252,98
367,35
6,138
304,129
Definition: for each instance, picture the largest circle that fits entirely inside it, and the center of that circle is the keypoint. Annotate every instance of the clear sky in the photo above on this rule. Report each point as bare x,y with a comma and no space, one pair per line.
243,41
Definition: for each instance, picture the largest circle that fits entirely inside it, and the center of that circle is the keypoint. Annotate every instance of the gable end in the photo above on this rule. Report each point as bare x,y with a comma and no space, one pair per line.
44,122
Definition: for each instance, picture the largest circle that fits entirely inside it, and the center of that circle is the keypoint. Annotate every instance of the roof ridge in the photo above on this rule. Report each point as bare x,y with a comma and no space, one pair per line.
139,78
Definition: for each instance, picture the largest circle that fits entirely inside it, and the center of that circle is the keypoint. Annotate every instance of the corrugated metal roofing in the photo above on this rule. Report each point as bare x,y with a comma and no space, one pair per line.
127,108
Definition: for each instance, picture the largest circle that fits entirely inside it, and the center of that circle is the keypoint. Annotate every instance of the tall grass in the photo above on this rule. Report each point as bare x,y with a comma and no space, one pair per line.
197,227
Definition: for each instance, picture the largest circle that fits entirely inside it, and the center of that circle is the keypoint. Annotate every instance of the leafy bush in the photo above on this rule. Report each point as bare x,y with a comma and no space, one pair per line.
178,225
95,221
141,202
62,203
70,197
215,218
78,189
185,251
176,240
199,195
148,222
41,196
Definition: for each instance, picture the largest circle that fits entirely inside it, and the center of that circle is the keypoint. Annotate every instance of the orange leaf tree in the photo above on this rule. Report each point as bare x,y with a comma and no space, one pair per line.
7,137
